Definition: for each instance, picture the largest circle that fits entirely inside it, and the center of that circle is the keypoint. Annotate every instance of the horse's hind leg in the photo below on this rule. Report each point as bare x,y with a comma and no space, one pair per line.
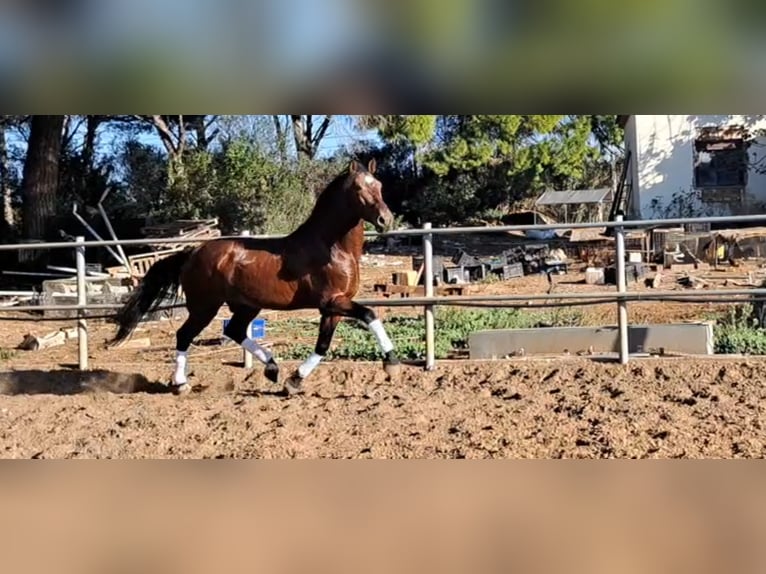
198,319
236,330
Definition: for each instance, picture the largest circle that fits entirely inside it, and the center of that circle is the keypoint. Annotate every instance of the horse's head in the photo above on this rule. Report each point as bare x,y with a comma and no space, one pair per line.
367,197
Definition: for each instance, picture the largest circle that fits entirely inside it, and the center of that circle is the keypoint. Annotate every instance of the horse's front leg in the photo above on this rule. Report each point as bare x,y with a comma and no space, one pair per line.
327,326
349,308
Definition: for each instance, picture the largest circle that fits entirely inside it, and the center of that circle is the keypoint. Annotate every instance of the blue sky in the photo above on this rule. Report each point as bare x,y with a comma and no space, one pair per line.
340,133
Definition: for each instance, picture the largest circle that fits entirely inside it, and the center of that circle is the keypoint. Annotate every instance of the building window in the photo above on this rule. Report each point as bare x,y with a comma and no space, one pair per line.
720,159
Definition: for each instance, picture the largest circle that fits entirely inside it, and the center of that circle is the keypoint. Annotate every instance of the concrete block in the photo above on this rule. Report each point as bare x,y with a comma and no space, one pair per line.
687,338
99,291
594,276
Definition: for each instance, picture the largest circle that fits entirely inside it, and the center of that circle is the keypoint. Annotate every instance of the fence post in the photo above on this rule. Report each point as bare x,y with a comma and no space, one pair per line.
622,304
247,356
428,283
82,300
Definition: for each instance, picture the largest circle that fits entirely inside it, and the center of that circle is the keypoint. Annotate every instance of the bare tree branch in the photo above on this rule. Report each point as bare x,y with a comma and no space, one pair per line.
181,135
163,130
71,127
306,141
322,131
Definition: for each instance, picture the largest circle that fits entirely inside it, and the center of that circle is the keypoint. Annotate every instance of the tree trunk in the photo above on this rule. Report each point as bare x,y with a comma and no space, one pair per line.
281,139
89,146
175,144
9,221
302,137
40,181
307,139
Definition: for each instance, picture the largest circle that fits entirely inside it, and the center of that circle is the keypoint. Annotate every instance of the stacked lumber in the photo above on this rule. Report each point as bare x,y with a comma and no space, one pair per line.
202,229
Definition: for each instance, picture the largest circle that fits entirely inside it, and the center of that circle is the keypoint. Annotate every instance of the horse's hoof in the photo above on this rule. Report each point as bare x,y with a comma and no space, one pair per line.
183,389
393,369
294,385
271,372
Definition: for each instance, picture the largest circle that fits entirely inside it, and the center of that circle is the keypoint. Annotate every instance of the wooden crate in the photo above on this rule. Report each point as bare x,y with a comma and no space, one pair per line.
140,264
510,271
456,275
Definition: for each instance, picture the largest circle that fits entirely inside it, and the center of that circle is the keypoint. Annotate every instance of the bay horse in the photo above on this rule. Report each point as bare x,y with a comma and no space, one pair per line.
314,267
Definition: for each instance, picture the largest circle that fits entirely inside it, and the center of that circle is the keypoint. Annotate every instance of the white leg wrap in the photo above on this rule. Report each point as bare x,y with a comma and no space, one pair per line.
380,334
179,377
309,365
263,355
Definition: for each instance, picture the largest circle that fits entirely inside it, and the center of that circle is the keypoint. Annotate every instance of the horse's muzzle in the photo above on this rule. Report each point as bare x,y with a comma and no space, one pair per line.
384,221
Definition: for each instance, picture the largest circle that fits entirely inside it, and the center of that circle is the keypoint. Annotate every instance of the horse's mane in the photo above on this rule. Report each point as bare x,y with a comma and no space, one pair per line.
336,183
326,197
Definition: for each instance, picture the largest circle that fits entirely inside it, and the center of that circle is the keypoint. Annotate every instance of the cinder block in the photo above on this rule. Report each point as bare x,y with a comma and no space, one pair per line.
687,338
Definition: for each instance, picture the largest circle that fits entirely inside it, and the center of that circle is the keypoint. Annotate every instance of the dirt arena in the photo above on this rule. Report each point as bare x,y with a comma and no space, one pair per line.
571,407
564,408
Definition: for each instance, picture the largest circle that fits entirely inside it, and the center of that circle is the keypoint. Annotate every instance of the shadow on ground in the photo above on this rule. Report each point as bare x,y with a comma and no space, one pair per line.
64,382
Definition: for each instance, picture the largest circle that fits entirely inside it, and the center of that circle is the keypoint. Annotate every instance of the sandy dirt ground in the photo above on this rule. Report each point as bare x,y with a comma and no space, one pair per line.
568,407
563,408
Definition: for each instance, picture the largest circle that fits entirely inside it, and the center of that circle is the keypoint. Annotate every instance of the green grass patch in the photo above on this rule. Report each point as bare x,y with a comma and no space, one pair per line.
736,332
453,327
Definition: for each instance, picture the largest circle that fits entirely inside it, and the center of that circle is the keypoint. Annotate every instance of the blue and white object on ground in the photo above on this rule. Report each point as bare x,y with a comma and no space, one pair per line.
256,329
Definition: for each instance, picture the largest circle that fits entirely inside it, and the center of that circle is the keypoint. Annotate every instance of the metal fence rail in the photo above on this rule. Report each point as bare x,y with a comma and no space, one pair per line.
417,232
621,296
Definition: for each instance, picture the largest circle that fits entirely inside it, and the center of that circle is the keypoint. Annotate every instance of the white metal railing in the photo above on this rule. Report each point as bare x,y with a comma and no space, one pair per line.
625,224
621,296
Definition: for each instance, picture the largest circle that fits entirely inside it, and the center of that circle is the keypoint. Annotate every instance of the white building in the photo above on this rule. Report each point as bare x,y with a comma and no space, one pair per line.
686,166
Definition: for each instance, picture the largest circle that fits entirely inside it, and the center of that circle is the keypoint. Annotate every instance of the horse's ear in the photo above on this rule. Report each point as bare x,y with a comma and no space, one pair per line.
354,166
372,166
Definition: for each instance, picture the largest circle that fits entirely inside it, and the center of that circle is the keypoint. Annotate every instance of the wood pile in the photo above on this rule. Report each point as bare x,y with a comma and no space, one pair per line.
202,229
32,342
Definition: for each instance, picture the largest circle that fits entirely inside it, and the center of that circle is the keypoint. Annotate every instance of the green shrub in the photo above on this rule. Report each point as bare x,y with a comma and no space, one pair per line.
740,340
737,332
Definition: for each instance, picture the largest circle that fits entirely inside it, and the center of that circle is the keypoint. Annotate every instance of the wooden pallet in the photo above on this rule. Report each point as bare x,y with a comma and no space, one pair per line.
140,264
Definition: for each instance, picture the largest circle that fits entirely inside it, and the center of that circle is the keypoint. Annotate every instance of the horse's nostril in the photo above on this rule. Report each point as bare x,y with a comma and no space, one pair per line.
381,221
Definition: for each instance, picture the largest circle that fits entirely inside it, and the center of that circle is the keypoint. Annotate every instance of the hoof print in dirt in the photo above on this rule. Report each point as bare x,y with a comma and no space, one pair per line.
393,370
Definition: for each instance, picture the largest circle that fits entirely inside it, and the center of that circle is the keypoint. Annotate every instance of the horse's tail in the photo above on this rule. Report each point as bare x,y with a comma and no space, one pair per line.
162,278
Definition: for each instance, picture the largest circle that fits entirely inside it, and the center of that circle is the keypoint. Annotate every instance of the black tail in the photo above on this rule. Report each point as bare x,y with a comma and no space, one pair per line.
162,278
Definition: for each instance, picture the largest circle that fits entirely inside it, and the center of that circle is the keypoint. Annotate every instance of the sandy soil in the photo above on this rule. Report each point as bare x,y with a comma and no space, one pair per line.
560,408
570,407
